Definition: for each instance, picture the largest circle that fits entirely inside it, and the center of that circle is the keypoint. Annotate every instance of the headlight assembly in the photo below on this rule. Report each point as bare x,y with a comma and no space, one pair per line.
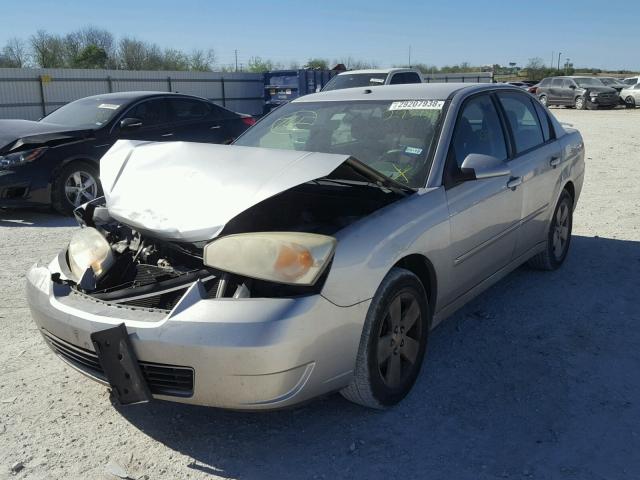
89,249
594,94
20,158
285,257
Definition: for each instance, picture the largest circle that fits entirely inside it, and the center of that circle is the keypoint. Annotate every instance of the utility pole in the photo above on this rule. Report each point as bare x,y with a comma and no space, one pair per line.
559,54
409,56
553,57
236,53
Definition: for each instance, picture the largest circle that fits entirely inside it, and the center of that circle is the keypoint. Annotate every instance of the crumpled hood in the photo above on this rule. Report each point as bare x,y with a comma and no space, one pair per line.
18,133
187,192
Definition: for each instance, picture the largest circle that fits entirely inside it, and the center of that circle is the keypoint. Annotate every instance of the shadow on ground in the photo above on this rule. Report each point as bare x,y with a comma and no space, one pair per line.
537,378
34,218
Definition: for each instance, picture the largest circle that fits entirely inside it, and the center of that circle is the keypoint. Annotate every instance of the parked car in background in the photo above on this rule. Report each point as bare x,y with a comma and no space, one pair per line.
368,78
522,85
612,82
314,254
578,92
54,161
631,81
631,95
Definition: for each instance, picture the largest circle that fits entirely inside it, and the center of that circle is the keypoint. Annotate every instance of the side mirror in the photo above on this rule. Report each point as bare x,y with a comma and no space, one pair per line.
477,166
572,87
130,123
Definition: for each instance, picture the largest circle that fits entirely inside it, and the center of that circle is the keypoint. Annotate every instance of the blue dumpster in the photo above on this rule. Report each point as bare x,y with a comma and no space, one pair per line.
282,86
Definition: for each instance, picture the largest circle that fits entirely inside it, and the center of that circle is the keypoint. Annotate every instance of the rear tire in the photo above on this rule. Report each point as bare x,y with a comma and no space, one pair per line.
393,342
544,100
75,184
558,236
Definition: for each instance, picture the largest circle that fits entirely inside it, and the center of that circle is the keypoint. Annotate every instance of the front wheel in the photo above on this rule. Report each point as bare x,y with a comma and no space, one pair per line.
75,184
558,236
393,342
630,102
580,103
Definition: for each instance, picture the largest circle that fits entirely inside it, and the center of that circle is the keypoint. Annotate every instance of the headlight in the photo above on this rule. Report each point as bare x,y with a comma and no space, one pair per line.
88,248
20,158
594,94
285,257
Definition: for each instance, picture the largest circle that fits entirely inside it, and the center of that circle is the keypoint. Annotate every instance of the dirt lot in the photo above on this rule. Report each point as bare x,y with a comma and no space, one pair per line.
539,378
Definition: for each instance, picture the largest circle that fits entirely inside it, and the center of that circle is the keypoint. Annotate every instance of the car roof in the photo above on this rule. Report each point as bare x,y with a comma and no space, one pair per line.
378,70
135,95
411,91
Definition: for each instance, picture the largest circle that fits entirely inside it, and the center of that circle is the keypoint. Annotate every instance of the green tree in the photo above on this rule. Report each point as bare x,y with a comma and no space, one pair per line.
317,64
91,56
257,64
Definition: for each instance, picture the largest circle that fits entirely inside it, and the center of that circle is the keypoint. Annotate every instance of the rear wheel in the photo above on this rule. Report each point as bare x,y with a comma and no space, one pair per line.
543,100
580,103
393,342
630,102
74,185
558,237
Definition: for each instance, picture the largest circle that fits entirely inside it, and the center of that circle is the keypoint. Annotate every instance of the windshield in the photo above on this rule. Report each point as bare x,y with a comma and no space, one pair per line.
85,113
393,137
350,80
588,82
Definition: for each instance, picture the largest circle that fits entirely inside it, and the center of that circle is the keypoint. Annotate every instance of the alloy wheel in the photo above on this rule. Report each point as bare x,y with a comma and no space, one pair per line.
631,102
399,340
543,100
579,103
80,187
560,235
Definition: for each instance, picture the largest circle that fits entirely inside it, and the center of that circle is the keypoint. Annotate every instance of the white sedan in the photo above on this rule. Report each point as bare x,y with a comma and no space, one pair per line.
631,95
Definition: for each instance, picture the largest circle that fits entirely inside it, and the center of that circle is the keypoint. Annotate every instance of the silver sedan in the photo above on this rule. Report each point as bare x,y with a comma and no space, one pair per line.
314,255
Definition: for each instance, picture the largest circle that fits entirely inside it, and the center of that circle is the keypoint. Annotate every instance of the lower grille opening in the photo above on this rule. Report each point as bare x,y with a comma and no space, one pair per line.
162,379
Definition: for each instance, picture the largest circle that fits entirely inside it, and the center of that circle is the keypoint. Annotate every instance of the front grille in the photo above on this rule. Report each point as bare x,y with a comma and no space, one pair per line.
172,380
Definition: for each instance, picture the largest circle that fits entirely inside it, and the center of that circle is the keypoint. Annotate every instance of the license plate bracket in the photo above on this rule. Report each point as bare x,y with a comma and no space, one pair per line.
120,365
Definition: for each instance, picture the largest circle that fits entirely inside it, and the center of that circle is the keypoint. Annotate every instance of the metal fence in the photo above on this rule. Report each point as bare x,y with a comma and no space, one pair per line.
33,93
472,77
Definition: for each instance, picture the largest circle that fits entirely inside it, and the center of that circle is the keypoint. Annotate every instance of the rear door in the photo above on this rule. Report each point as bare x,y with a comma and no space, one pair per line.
195,120
555,91
484,214
535,158
154,120
568,91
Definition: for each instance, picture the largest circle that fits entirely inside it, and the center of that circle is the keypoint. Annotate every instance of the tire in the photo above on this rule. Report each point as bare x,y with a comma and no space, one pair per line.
580,103
383,373
544,100
630,102
81,176
558,236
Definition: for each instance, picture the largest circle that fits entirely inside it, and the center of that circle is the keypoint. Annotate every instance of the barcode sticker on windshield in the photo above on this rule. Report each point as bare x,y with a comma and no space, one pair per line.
110,106
417,105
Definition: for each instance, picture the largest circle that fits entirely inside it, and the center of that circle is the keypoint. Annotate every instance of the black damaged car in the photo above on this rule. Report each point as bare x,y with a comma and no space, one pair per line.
577,92
54,161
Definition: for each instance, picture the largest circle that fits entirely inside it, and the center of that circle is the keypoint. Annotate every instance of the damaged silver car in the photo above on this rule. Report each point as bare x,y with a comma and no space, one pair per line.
316,253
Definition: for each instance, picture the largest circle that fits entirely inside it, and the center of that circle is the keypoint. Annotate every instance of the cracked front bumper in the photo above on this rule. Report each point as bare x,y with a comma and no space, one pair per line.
253,353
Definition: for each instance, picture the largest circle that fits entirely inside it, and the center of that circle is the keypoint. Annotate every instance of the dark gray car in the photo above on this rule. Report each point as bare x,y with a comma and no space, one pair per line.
578,92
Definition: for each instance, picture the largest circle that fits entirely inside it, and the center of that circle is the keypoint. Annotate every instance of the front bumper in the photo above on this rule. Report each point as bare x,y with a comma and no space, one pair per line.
254,353
606,101
20,187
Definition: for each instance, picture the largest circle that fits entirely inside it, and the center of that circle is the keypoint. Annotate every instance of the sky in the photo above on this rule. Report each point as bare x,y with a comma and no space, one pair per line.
590,33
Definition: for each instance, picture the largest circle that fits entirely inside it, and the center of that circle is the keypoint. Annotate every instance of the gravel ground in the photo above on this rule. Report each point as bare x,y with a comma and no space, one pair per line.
538,378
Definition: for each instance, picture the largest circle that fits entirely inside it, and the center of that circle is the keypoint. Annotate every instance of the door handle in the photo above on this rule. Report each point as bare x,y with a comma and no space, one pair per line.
514,182
555,161
215,127
167,135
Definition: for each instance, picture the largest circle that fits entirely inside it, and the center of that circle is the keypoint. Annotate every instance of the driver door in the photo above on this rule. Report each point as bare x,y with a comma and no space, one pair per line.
484,214
153,114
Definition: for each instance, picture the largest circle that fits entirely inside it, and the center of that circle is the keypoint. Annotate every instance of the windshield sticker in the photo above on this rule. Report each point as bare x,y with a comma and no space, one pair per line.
417,105
110,106
413,151
376,80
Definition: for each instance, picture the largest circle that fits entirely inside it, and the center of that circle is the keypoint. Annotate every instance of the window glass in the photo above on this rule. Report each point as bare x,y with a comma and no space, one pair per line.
151,112
91,112
186,109
544,120
393,137
405,77
522,119
545,82
556,82
478,130
567,83
351,80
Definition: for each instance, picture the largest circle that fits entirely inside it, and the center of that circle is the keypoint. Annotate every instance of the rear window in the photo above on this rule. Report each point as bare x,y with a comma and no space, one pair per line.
351,80
545,82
